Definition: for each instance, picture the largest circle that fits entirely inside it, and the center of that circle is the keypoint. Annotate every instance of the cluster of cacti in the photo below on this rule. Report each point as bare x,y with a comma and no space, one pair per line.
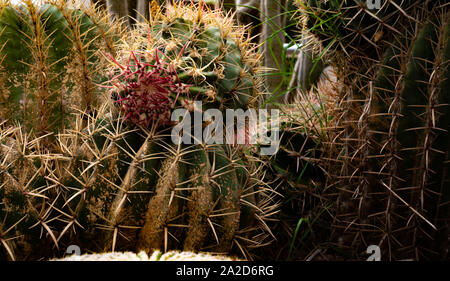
387,156
108,184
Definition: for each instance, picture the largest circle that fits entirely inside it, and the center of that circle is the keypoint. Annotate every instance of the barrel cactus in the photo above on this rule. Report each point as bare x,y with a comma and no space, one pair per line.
187,54
387,154
115,180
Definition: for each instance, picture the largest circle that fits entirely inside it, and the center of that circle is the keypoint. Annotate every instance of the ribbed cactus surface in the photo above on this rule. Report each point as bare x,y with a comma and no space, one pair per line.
111,188
187,54
51,62
388,149
115,180
195,47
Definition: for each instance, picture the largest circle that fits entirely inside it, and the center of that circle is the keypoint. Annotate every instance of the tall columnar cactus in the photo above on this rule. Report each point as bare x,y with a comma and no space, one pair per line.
51,62
357,27
391,135
115,180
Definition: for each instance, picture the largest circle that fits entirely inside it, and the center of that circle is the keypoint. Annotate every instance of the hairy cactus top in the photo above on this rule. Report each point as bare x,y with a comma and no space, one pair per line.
107,185
182,54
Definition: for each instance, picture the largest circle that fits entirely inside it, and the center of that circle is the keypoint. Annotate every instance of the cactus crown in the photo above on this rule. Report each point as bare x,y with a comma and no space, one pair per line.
199,48
150,91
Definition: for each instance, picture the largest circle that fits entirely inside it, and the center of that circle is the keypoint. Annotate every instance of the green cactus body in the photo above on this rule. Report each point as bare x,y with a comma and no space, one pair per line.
394,141
15,48
209,54
170,197
201,198
51,63
112,184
